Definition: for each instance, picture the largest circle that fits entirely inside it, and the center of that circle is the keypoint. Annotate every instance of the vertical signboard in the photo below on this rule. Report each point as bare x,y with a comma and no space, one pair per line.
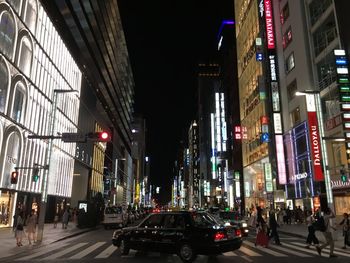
270,37
315,146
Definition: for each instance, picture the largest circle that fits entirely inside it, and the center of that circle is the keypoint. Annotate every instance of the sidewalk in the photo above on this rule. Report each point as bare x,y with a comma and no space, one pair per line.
300,230
8,245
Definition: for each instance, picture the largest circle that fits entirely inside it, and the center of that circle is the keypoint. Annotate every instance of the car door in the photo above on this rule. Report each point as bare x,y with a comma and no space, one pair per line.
171,232
145,234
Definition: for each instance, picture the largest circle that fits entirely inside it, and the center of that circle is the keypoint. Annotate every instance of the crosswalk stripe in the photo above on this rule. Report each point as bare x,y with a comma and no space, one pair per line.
307,250
65,251
249,252
107,252
266,250
37,254
336,251
230,254
290,251
87,250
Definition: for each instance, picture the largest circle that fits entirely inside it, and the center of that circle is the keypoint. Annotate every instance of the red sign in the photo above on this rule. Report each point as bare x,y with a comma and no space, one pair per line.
315,146
269,24
264,120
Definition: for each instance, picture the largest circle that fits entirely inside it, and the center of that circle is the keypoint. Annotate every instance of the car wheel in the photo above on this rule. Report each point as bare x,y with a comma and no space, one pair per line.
124,249
187,253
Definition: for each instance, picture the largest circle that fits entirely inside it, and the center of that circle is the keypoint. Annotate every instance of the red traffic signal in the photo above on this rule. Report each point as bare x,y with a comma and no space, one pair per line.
14,177
99,136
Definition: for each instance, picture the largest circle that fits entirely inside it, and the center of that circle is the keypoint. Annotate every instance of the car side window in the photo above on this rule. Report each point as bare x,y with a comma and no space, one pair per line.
169,221
180,222
154,221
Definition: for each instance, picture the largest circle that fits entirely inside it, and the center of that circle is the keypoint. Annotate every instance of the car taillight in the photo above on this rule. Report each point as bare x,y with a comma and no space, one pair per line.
238,232
220,236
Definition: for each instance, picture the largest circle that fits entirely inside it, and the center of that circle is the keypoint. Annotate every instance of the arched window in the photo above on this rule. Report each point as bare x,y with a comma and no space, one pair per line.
25,55
7,33
12,157
19,103
4,84
16,4
30,15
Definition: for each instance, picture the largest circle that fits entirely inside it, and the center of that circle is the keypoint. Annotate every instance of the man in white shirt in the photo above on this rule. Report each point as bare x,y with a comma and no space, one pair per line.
328,233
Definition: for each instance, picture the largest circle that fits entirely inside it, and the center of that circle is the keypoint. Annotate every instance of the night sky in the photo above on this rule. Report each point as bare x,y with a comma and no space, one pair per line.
166,39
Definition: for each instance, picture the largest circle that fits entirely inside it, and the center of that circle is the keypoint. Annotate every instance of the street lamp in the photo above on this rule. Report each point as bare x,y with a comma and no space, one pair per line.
313,107
44,185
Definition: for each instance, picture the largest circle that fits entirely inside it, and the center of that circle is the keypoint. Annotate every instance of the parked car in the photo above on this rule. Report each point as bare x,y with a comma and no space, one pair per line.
114,216
234,218
187,233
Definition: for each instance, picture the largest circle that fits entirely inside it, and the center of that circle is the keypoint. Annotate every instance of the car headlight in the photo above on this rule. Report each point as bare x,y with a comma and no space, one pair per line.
244,224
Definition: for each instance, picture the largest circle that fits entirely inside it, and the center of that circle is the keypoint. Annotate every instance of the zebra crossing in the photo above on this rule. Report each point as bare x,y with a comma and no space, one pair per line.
103,250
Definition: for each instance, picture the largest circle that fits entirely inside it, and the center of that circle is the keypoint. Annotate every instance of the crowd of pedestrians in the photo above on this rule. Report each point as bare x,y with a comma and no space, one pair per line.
268,221
25,226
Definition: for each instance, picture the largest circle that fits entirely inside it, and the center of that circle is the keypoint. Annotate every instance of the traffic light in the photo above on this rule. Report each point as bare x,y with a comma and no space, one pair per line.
35,175
343,176
99,136
14,177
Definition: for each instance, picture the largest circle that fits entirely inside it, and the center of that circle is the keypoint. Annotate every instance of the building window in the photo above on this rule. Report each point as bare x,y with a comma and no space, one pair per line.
290,63
292,89
31,15
13,150
4,84
7,34
284,13
287,37
18,103
25,55
295,114
16,5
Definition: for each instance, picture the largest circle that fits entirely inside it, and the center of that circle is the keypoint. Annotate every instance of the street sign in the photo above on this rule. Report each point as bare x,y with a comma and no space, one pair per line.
73,137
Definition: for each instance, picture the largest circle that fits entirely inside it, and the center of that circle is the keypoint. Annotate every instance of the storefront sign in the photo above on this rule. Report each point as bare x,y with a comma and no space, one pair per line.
268,171
300,176
339,184
269,24
281,165
273,67
275,97
277,122
315,146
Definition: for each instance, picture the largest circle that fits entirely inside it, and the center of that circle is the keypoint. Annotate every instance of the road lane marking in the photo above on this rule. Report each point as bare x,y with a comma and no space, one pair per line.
289,251
266,250
107,252
88,250
326,250
249,252
65,251
37,254
230,254
307,250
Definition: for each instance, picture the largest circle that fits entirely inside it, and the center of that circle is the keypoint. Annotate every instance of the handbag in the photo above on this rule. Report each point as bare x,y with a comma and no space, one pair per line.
19,227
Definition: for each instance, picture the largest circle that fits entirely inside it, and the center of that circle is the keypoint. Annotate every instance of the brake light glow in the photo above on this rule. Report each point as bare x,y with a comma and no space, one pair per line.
238,232
220,236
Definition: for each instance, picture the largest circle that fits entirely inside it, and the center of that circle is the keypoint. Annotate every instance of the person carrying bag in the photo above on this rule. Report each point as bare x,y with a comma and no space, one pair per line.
346,229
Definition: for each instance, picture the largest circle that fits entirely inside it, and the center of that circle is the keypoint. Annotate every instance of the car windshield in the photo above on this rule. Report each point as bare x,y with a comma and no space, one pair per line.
113,210
203,220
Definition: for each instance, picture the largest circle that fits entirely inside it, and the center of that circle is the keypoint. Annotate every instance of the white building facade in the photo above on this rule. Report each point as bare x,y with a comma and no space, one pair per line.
34,64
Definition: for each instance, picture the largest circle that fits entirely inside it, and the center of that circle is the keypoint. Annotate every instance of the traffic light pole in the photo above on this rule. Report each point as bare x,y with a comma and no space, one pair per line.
44,183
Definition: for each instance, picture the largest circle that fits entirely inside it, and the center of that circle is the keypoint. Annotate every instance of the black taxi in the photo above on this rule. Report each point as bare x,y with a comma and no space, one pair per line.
186,233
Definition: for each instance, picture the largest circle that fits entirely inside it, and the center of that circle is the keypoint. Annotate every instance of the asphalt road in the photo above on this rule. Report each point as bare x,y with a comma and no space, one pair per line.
96,246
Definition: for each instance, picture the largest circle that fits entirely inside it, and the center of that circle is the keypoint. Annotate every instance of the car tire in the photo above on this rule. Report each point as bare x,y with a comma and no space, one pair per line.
186,253
124,249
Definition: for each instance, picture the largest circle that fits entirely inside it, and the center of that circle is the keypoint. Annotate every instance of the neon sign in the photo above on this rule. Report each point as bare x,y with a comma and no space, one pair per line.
269,24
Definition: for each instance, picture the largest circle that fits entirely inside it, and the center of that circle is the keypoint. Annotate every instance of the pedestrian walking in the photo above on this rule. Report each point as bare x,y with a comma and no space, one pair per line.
346,229
65,219
19,232
31,226
55,220
273,228
328,214
311,238
261,229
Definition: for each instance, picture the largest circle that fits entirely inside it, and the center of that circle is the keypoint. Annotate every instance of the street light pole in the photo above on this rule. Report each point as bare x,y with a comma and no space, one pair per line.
44,184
